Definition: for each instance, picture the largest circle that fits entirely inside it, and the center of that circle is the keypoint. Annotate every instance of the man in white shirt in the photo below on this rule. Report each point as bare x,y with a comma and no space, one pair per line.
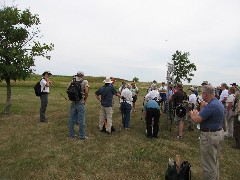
153,93
224,94
163,94
126,105
45,82
192,99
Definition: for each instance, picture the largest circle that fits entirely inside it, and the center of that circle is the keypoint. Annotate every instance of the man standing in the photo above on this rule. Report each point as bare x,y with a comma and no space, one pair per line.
134,91
45,82
105,96
77,108
126,105
163,95
211,119
224,94
177,99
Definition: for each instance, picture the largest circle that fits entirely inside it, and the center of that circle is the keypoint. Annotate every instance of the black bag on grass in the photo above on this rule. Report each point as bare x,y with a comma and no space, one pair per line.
184,174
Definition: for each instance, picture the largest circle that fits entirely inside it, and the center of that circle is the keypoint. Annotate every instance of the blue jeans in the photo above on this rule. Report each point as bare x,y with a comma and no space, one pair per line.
77,109
125,110
164,98
44,103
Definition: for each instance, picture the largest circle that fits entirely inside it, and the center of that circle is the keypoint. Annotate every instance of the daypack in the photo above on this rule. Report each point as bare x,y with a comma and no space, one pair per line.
184,174
74,91
37,89
180,110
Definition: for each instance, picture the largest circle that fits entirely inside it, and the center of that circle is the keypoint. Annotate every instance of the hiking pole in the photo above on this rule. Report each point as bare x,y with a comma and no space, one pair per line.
58,90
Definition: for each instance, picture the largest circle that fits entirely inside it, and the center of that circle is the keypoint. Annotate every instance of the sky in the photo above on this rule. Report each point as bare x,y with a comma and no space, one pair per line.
137,38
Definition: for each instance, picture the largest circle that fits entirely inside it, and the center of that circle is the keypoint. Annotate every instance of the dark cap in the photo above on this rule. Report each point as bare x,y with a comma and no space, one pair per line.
46,72
234,84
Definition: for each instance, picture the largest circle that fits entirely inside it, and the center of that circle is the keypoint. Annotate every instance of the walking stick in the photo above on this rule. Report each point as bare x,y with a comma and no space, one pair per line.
58,90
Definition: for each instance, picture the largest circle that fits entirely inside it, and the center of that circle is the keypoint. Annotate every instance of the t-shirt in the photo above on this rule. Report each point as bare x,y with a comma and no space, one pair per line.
192,98
106,92
223,94
163,88
178,97
153,94
134,91
230,99
127,94
151,104
212,115
44,88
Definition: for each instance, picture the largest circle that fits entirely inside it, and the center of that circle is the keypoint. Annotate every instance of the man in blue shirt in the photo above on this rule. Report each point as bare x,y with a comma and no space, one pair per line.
105,96
152,113
211,119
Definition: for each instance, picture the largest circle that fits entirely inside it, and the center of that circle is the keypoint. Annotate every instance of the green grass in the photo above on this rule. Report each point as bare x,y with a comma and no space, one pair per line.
33,150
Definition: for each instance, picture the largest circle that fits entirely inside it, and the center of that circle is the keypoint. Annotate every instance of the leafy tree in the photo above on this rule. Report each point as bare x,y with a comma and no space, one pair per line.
183,68
135,79
18,46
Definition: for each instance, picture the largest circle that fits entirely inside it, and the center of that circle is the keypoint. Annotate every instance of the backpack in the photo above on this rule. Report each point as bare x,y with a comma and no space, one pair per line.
37,89
184,174
180,110
74,91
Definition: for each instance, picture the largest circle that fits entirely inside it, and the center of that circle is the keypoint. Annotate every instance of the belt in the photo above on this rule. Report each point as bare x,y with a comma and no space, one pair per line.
210,130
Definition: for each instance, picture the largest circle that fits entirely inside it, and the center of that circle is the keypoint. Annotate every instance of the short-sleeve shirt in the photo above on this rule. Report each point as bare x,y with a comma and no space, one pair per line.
134,91
44,88
192,98
212,115
151,104
230,99
106,92
153,94
163,88
178,97
223,95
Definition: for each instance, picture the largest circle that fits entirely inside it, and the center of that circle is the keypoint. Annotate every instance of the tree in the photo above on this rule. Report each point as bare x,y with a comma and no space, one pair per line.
18,46
182,66
135,79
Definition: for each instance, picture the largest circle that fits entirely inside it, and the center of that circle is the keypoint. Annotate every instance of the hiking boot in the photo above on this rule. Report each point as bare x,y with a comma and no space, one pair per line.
82,139
108,132
179,137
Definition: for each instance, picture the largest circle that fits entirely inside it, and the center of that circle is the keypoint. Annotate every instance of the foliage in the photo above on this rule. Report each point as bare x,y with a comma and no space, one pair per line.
19,47
135,79
183,66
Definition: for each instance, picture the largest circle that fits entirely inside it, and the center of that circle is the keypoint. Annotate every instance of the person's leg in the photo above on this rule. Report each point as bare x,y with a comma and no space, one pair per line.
81,118
127,115
109,112
123,110
230,124
210,145
71,120
44,102
102,116
180,127
149,116
156,116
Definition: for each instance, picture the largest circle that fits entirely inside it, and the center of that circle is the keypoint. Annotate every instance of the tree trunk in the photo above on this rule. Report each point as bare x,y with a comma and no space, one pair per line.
9,93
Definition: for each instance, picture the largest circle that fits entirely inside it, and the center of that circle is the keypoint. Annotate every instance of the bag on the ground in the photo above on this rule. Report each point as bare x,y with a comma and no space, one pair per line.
180,110
74,91
184,173
37,89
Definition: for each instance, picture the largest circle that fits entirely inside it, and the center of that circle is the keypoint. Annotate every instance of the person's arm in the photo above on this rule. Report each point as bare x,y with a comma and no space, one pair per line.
194,114
86,89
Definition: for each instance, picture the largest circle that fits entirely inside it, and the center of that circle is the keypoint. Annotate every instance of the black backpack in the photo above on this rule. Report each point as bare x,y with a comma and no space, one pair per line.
184,174
181,110
37,89
74,91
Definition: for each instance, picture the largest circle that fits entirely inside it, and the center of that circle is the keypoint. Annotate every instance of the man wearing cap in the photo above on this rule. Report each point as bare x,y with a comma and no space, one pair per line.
77,108
163,95
211,119
45,82
105,96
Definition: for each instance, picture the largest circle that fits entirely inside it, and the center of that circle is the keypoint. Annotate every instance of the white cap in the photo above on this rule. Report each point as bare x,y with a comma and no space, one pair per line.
80,73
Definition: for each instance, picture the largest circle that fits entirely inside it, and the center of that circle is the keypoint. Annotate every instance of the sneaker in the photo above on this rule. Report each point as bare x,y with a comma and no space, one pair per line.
180,137
82,139
108,132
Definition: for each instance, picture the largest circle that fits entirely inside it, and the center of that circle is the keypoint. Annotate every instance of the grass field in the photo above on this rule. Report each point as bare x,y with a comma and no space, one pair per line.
33,150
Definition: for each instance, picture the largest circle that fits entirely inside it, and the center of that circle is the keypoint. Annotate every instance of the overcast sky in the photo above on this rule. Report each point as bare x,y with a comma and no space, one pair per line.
128,38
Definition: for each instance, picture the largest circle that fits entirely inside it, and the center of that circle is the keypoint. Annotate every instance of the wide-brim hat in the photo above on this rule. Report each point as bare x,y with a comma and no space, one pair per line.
46,72
80,73
233,84
204,83
107,80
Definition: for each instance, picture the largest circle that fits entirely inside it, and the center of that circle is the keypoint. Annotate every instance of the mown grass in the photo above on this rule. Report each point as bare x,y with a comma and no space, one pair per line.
33,150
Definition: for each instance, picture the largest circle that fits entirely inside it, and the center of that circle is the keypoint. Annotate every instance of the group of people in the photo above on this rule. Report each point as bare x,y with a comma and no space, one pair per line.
213,109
